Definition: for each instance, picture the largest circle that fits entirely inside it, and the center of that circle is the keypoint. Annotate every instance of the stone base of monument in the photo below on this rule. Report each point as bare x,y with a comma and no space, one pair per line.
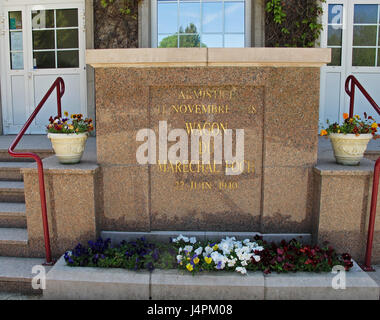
79,283
164,236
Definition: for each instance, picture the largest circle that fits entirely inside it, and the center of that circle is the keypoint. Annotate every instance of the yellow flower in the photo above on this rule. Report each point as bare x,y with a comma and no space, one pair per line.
338,131
215,247
345,116
208,260
189,267
357,117
71,127
196,260
323,132
66,114
374,125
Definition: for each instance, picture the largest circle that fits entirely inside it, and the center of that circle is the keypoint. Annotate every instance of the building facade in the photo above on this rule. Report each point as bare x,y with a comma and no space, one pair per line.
43,39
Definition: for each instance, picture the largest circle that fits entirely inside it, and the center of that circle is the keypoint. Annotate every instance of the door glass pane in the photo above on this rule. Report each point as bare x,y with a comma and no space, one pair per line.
189,17
234,17
15,20
212,15
336,57
44,60
335,15
67,18
42,19
17,61
365,13
43,39
364,57
67,39
365,35
334,37
16,40
68,59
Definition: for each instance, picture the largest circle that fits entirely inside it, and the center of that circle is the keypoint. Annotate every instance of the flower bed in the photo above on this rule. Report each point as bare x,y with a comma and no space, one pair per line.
196,256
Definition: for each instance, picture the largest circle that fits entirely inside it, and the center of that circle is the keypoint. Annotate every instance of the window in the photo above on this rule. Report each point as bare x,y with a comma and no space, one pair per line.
200,23
16,40
55,38
366,35
334,33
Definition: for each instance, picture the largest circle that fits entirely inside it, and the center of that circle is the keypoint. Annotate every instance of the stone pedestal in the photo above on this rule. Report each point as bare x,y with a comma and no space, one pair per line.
270,93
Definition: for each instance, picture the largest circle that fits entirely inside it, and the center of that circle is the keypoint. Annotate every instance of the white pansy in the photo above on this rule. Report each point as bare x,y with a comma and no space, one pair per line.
179,258
244,263
188,248
208,250
198,251
257,258
231,262
193,240
242,270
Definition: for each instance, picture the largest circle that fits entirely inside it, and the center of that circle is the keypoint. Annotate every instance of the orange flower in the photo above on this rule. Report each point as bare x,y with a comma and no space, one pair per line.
345,116
323,132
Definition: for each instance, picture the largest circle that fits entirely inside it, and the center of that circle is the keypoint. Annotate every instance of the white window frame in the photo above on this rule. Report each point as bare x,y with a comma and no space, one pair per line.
247,18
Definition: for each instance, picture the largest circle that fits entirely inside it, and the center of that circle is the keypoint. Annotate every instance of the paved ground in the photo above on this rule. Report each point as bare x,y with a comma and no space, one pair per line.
18,296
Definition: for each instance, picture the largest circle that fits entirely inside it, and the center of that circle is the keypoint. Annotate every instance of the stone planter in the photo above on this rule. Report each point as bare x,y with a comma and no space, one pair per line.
349,148
68,147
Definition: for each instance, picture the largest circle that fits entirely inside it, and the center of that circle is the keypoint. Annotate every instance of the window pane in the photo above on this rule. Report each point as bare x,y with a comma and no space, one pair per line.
212,40
365,36
42,19
167,17
363,57
234,16
67,39
334,36
16,40
44,60
189,17
67,18
43,39
365,13
336,57
212,15
15,20
168,41
335,14
378,57
234,41
17,61
189,41
68,59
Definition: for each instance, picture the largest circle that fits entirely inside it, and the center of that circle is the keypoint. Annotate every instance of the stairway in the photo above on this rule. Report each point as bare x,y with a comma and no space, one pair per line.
13,232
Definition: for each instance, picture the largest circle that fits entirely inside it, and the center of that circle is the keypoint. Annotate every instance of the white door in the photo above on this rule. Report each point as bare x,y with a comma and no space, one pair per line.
352,30
40,43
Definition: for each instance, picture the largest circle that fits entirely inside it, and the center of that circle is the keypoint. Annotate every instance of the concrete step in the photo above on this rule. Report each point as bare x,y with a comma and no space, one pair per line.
12,215
11,170
42,153
16,274
13,242
12,191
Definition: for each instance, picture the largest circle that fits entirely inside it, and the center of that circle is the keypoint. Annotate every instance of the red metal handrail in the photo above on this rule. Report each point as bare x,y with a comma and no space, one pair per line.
58,84
350,84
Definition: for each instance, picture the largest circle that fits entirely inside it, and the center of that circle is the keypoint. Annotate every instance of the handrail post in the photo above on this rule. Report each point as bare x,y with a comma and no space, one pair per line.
352,98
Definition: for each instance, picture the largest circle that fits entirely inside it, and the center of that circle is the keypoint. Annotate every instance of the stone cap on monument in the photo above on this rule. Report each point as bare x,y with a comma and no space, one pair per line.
195,57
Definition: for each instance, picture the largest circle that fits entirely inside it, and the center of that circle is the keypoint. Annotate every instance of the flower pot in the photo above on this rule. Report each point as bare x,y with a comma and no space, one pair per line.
68,147
349,148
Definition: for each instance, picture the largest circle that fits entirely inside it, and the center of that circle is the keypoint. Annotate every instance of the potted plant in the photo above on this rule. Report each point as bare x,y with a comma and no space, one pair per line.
350,139
68,136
